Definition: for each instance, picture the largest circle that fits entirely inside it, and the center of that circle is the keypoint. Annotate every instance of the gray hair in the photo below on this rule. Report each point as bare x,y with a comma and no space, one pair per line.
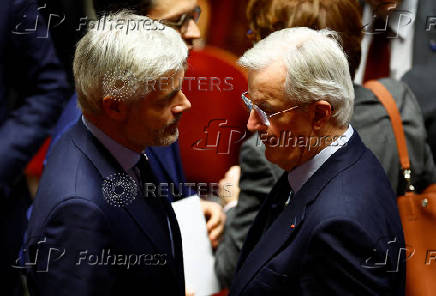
121,54
317,68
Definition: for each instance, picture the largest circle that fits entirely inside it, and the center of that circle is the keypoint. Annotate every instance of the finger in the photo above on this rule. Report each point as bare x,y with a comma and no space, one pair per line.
214,244
216,233
214,221
234,172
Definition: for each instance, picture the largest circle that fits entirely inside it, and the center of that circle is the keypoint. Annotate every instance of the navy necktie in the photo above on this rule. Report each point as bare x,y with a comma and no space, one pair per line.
149,191
160,204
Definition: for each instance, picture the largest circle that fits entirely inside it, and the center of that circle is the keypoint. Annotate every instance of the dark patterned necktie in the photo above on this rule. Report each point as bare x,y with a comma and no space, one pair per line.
150,193
277,207
160,203
379,53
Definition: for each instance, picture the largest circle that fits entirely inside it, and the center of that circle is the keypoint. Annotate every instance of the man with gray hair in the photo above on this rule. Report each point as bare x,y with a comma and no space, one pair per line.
332,217
96,227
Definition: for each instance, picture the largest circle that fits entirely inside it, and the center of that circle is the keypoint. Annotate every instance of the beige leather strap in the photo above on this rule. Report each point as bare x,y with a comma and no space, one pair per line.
385,97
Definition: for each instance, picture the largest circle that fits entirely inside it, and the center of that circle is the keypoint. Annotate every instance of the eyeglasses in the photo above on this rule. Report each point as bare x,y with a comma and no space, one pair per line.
184,19
262,114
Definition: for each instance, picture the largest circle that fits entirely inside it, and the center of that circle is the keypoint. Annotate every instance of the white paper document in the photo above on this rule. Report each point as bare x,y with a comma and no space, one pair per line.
198,259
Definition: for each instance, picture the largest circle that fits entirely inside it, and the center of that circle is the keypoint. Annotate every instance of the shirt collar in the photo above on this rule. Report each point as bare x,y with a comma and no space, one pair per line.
301,174
126,158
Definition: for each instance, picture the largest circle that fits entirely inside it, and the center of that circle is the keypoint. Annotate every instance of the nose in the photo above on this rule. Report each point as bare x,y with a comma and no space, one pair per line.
191,31
182,105
254,123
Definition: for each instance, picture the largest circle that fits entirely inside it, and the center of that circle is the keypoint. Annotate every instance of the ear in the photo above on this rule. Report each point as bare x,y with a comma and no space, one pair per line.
114,108
322,111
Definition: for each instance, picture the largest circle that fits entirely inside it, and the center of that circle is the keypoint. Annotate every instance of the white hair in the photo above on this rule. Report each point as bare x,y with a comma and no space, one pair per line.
317,68
120,54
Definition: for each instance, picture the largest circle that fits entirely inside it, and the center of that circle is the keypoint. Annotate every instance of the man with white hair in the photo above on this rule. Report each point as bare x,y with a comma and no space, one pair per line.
165,161
96,227
330,226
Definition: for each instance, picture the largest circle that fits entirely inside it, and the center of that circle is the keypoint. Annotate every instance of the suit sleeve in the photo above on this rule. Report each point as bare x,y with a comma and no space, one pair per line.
258,176
69,253
41,82
343,259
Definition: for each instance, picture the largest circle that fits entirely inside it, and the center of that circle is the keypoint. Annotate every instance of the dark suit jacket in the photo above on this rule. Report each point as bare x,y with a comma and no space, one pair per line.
370,119
258,176
165,161
72,216
341,222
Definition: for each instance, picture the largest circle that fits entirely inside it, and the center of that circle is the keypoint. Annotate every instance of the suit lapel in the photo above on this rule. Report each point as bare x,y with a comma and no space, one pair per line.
260,221
146,218
287,224
162,159
139,210
177,238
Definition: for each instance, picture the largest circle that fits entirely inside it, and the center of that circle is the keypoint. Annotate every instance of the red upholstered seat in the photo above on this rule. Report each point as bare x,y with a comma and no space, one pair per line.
36,164
212,131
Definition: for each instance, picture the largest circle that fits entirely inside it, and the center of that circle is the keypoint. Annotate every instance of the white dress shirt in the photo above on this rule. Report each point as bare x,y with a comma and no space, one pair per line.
301,174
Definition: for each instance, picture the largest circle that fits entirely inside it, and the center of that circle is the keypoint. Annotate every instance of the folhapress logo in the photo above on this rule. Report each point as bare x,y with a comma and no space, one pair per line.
430,25
219,136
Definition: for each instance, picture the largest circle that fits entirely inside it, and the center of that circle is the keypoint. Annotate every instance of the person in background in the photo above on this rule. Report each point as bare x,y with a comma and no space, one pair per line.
370,119
397,38
33,90
420,79
332,210
64,19
405,50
